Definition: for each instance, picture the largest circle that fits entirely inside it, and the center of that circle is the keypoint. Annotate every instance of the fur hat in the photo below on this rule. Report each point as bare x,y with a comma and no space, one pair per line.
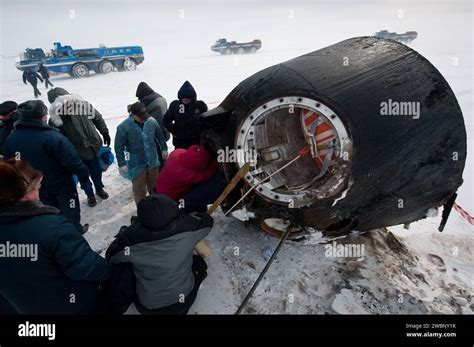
17,178
7,107
32,109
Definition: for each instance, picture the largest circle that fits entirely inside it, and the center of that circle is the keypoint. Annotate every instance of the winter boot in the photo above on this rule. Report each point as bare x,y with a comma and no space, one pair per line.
91,201
102,194
84,228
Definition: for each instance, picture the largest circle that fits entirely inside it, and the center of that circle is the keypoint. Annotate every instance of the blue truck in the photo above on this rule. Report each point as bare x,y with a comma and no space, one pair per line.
79,62
223,46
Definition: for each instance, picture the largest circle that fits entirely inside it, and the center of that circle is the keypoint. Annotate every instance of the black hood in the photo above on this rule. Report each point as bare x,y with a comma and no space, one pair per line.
54,93
187,91
157,211
143,90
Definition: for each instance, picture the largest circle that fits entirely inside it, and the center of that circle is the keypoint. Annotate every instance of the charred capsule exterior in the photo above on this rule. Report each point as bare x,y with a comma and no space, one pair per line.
387,136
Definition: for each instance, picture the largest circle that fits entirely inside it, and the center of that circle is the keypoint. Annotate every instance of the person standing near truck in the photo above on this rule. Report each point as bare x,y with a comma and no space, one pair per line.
32,77
45,74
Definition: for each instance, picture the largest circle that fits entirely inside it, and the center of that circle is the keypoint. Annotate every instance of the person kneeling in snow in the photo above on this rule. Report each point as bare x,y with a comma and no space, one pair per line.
191,176
160,244
57,272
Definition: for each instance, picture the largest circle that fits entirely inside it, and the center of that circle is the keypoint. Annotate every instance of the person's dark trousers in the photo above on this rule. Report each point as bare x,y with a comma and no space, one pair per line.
47,82
95,174
200,273
67,201
36,90
204,193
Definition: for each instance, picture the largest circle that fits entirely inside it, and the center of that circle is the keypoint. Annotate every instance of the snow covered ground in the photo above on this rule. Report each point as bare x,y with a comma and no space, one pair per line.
405,271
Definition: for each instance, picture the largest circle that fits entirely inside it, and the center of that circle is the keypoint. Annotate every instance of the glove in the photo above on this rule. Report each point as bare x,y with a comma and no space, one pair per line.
124,170
106,137
164,155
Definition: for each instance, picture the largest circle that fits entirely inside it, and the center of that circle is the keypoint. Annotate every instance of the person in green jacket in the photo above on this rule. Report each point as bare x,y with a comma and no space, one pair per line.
81,123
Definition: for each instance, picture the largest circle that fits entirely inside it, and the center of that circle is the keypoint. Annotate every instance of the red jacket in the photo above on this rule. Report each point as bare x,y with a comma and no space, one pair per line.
183,169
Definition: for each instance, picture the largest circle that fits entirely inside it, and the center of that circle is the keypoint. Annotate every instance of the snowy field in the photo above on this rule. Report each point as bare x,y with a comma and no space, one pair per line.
406,271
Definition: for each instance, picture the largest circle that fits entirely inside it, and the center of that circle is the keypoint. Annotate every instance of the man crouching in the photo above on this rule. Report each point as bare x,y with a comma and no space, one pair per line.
160,245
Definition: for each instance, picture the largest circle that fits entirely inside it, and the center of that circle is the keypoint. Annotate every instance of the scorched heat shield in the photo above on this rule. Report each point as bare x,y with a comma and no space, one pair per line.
385,132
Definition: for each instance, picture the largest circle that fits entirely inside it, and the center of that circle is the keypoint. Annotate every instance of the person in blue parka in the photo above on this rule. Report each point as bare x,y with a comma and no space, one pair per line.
46,266
137,142
51,153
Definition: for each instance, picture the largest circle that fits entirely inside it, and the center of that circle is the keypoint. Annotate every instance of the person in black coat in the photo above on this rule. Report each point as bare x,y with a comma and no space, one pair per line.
8,115
181,118
156,105
54,271
45,74
53,154
32,77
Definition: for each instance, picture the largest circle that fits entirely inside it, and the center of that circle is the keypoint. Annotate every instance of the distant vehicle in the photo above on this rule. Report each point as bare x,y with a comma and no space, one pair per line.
78,62
408,37
223,46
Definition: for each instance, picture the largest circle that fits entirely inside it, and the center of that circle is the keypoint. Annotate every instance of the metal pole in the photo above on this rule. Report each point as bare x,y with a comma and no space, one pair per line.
267,266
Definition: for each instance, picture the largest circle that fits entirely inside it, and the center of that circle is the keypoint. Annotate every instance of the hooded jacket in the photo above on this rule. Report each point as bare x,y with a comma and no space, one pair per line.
140,144
78,121
60,264
184,169
156,104
180,119
43,71
160,247
32,77
47,151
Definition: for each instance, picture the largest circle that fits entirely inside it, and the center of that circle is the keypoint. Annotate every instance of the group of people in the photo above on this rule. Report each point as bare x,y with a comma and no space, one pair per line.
151,262
32,77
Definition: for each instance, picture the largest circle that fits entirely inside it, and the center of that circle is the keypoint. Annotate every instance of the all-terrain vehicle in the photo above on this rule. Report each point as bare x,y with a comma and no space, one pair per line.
78,62
407,37
223,46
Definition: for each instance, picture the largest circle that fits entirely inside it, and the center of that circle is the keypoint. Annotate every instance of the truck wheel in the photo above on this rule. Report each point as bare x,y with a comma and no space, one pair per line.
80,70
129,65
227,51
253,49
106,67
240,50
